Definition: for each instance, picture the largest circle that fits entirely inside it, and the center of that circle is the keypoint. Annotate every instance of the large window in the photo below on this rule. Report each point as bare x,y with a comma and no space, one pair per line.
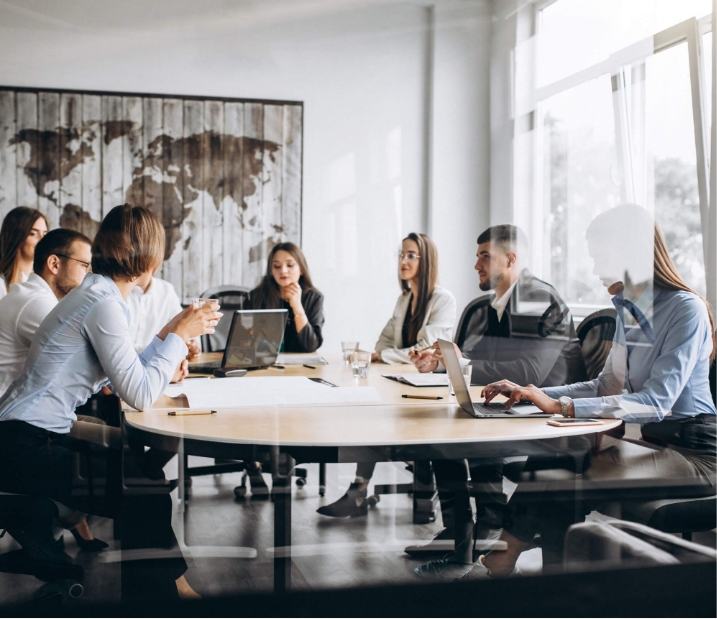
615,96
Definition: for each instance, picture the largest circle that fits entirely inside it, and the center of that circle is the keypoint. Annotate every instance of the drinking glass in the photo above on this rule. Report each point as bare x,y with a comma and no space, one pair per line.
348,349
467,371
360,362
198,302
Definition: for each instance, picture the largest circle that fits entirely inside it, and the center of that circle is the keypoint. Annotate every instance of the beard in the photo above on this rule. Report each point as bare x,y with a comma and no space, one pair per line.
491,283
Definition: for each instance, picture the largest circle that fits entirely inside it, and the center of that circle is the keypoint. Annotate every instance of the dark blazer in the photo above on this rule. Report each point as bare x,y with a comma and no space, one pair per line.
309,338
534,342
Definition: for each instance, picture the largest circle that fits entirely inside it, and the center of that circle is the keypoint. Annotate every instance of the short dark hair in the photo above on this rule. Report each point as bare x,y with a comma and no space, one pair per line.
57,242
130,242
507,235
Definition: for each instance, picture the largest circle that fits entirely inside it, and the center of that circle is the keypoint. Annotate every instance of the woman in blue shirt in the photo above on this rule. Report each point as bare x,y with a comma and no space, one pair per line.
656,374
82,345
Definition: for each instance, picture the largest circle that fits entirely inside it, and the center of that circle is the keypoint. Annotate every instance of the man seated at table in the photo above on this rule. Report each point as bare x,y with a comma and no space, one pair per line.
525,332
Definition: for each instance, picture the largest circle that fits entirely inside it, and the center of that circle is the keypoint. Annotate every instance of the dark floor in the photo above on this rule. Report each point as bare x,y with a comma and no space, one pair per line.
218,533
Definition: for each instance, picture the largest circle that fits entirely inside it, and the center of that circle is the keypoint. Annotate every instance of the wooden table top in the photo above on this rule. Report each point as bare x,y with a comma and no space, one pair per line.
392,421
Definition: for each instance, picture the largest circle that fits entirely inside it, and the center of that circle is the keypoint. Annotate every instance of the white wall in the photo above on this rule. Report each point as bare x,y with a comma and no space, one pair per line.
394,136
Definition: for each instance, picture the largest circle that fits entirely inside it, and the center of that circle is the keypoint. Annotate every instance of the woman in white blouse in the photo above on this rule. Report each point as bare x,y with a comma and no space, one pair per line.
424,312
22,229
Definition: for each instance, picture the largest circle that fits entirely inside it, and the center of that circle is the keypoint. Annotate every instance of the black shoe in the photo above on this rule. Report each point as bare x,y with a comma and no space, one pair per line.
447,568
442,542
259,489
353,504
88,545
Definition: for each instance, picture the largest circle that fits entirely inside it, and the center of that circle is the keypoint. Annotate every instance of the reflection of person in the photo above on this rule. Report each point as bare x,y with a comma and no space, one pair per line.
83,344
424,312
287,284
22,229
656,373
525,333
152,306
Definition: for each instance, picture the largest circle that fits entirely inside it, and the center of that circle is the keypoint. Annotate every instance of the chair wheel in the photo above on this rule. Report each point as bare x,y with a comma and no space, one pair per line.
322,490
301,482
373,500
75,590
240,492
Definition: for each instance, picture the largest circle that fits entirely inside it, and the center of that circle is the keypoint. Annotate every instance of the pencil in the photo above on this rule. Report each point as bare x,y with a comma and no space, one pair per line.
423,397
311,367
186,413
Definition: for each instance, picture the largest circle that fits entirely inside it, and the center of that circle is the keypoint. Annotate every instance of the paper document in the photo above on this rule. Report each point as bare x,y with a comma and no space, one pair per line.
420,380
288,359
268,391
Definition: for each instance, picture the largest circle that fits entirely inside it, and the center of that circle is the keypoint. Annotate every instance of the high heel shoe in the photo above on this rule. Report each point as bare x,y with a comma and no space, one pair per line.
88,545
353,504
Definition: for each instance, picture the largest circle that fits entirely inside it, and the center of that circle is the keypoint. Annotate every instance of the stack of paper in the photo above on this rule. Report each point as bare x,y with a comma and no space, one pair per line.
267,391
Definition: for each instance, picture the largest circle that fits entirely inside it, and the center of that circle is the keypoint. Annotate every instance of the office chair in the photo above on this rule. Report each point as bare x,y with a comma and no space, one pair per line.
473,320
595,334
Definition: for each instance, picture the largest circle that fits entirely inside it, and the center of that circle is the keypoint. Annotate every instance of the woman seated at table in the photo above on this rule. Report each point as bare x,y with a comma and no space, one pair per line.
424,312
657,374
21,230
287,285
82,345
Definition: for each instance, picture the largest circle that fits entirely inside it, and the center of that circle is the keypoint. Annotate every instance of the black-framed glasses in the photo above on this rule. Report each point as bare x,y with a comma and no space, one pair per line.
87,265
409,255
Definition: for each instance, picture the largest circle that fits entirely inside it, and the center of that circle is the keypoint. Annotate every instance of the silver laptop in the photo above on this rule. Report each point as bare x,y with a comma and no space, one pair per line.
493,410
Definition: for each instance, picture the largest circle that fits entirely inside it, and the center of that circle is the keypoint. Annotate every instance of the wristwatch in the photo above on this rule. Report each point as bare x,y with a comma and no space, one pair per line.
565,403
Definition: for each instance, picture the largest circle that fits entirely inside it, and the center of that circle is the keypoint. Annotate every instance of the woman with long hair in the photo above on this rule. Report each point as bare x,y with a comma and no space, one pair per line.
82,345
21,230
424,312
287,285
657,374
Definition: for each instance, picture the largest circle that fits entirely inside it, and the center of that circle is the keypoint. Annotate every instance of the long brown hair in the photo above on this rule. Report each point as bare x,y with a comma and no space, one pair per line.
667,277
16,227
266,295
427,279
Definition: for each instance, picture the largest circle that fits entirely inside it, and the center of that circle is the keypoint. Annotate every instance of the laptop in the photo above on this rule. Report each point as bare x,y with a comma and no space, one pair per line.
254,341
493,410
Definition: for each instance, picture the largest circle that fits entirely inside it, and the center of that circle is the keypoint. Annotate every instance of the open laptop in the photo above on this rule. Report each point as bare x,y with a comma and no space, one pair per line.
493,410
254,341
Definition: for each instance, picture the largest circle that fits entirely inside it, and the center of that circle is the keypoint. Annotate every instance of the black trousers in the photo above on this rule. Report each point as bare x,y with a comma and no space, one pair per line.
38,462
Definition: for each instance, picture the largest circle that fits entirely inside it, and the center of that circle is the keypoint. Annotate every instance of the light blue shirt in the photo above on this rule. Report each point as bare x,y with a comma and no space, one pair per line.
83,344
658,365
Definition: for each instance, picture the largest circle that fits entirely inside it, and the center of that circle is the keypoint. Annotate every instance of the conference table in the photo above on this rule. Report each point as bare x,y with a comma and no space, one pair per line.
392,428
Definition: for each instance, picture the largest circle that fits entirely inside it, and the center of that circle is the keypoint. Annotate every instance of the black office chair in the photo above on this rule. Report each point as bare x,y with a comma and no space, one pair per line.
473,320
595,333
231,298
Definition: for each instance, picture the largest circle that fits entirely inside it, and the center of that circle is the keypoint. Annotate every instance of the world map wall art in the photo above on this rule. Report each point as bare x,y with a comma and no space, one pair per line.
223,175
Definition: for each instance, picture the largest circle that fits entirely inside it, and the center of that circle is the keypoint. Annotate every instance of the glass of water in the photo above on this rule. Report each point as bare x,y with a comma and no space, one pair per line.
467,371
348,349
360,362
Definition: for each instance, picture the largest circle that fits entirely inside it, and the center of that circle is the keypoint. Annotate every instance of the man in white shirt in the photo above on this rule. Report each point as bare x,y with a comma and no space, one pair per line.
62,258
152,308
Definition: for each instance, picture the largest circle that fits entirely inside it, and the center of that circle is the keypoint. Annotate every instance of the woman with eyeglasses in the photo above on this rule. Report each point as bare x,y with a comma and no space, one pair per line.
21,230
424,312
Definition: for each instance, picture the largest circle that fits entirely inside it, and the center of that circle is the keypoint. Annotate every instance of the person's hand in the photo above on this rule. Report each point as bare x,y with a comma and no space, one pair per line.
424,361
292,295
191,322
375,357
181,372
515,393
195,349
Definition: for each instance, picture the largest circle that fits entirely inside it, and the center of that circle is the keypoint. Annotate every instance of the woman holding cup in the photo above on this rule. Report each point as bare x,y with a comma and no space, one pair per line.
424,313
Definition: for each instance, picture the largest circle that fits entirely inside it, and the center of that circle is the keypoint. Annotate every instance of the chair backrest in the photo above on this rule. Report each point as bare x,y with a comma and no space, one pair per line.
595,333
473,322
230,298
713,387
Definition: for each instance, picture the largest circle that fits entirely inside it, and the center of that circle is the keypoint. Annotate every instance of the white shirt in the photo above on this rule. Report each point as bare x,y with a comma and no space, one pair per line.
21,312
499,305
3,286
151,310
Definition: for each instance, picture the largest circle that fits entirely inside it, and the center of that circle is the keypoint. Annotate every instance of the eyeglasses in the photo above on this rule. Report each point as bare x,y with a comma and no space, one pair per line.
409,255
87,265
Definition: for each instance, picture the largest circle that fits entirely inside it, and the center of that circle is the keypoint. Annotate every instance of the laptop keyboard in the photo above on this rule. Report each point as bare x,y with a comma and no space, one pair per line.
488,410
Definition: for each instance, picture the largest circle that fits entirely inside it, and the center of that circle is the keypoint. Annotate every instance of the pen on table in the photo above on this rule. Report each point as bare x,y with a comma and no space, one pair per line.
311,367
278,367
185,413
423,397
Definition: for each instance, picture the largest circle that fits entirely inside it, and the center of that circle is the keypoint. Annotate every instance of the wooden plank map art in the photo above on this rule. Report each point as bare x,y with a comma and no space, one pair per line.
223,175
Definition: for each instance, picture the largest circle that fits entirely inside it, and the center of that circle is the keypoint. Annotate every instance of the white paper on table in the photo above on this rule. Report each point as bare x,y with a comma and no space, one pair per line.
289,359
268,391
420,380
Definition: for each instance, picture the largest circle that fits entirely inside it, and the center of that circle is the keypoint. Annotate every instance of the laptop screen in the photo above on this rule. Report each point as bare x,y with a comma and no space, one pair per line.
453,368
255,338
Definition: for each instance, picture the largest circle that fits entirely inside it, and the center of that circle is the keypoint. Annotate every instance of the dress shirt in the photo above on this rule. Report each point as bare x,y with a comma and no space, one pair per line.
499,305
21,313
3,285
83,344
652,372
437,323
150,311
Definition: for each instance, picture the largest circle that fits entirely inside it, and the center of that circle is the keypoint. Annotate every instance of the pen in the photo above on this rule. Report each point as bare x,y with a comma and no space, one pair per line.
423,397
311,367
184,413
278,367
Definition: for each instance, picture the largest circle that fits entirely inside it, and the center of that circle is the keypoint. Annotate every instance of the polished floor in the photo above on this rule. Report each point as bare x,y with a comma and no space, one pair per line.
219,534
